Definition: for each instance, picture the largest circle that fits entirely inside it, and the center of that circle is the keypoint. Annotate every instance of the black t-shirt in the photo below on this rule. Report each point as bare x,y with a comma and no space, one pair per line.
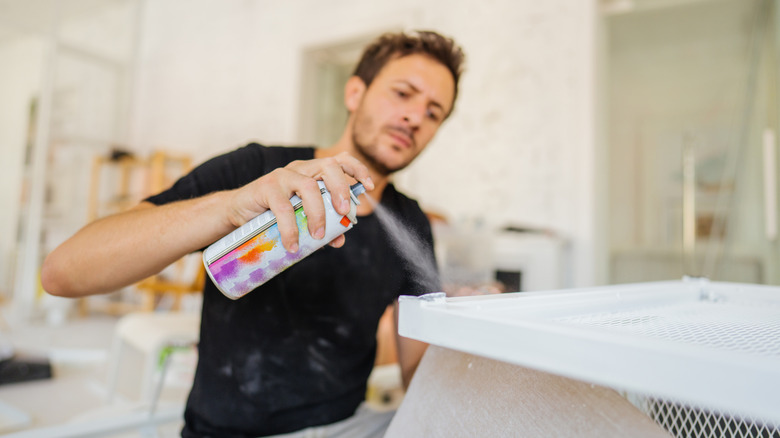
297,351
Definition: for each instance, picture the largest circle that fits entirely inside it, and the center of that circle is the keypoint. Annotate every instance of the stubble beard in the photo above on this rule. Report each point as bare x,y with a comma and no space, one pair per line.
367,148
367,154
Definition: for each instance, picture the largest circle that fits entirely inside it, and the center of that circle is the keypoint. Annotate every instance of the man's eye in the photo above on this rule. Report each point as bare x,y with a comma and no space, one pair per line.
433,116
401,93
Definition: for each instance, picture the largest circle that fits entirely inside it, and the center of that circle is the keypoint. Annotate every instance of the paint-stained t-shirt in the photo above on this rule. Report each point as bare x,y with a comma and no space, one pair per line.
297,351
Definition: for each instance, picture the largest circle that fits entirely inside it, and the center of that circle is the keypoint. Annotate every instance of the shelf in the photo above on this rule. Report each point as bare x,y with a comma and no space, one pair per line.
708,344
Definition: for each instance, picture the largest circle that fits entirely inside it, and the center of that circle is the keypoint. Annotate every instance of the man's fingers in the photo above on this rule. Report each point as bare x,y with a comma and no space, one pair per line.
336,182
274,192
300,177
285,219
336,172
309,191
342,162
354,168
338,242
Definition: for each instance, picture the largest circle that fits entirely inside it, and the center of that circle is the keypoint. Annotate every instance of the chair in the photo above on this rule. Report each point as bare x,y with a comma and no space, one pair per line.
151,334
119,181
152,289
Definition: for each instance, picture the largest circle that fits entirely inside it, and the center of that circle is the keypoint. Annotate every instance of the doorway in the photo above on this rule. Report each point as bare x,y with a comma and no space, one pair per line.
692,140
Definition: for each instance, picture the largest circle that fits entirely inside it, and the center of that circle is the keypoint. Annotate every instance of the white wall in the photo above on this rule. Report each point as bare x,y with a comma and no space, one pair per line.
519,149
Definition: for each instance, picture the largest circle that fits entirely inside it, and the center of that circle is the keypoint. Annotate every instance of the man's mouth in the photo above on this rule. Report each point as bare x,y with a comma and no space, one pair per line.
401,136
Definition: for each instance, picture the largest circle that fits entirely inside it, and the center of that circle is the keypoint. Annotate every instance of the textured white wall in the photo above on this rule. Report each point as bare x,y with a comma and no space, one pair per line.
520,148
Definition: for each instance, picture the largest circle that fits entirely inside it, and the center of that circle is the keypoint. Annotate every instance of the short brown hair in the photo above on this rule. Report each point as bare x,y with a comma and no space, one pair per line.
397,45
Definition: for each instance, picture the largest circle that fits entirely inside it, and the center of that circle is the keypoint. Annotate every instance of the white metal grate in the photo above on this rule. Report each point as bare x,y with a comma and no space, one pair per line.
684,421
725,324
702,359
742,326
736,325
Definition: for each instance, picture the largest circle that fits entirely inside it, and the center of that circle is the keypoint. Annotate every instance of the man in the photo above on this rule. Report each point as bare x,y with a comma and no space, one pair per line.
296,352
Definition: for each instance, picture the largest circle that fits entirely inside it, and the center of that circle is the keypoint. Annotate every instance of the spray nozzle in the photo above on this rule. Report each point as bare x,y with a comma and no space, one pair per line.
355,191
358,189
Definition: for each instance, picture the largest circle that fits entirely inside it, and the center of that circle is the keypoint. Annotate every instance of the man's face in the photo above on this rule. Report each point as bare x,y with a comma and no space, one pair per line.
400,111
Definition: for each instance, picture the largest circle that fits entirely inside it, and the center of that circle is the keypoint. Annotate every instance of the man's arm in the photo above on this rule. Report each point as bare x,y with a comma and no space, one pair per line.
122,249
410,352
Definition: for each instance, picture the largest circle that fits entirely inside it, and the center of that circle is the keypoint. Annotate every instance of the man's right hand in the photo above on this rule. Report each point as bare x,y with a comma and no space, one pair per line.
273,191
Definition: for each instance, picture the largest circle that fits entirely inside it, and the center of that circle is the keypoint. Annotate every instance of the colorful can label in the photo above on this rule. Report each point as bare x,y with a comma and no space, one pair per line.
253,253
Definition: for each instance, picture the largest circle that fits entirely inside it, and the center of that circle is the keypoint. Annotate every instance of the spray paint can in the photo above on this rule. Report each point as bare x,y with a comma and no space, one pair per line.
253,253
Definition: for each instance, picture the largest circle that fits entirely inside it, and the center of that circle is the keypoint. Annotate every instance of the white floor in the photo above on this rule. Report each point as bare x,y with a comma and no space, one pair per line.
75,398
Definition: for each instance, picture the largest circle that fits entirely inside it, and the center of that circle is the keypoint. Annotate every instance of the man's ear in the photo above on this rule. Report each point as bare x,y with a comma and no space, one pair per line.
353,93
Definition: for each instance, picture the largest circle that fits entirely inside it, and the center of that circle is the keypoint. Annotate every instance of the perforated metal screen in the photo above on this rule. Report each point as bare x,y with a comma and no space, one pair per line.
737,325
745,326
702,359
684,421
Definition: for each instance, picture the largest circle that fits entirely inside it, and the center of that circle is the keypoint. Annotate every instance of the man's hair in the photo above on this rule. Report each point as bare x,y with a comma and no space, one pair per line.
391,46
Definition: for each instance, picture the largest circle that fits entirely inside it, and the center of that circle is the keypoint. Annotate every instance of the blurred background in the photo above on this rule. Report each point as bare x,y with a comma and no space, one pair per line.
594,142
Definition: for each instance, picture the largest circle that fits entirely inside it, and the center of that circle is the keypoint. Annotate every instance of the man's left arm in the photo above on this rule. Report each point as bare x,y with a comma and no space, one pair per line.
410,352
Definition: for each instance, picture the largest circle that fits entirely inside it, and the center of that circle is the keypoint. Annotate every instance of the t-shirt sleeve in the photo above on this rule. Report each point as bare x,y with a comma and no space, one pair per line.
224,172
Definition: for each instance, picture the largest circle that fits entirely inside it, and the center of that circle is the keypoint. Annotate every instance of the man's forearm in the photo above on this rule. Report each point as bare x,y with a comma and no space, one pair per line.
122,249
119,250
410,353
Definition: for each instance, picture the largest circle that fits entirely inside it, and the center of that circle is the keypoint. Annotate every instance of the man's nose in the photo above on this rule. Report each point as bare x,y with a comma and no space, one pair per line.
414,114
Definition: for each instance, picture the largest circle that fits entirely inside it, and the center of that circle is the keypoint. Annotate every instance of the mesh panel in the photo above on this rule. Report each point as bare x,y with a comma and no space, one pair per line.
754,329
684,421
